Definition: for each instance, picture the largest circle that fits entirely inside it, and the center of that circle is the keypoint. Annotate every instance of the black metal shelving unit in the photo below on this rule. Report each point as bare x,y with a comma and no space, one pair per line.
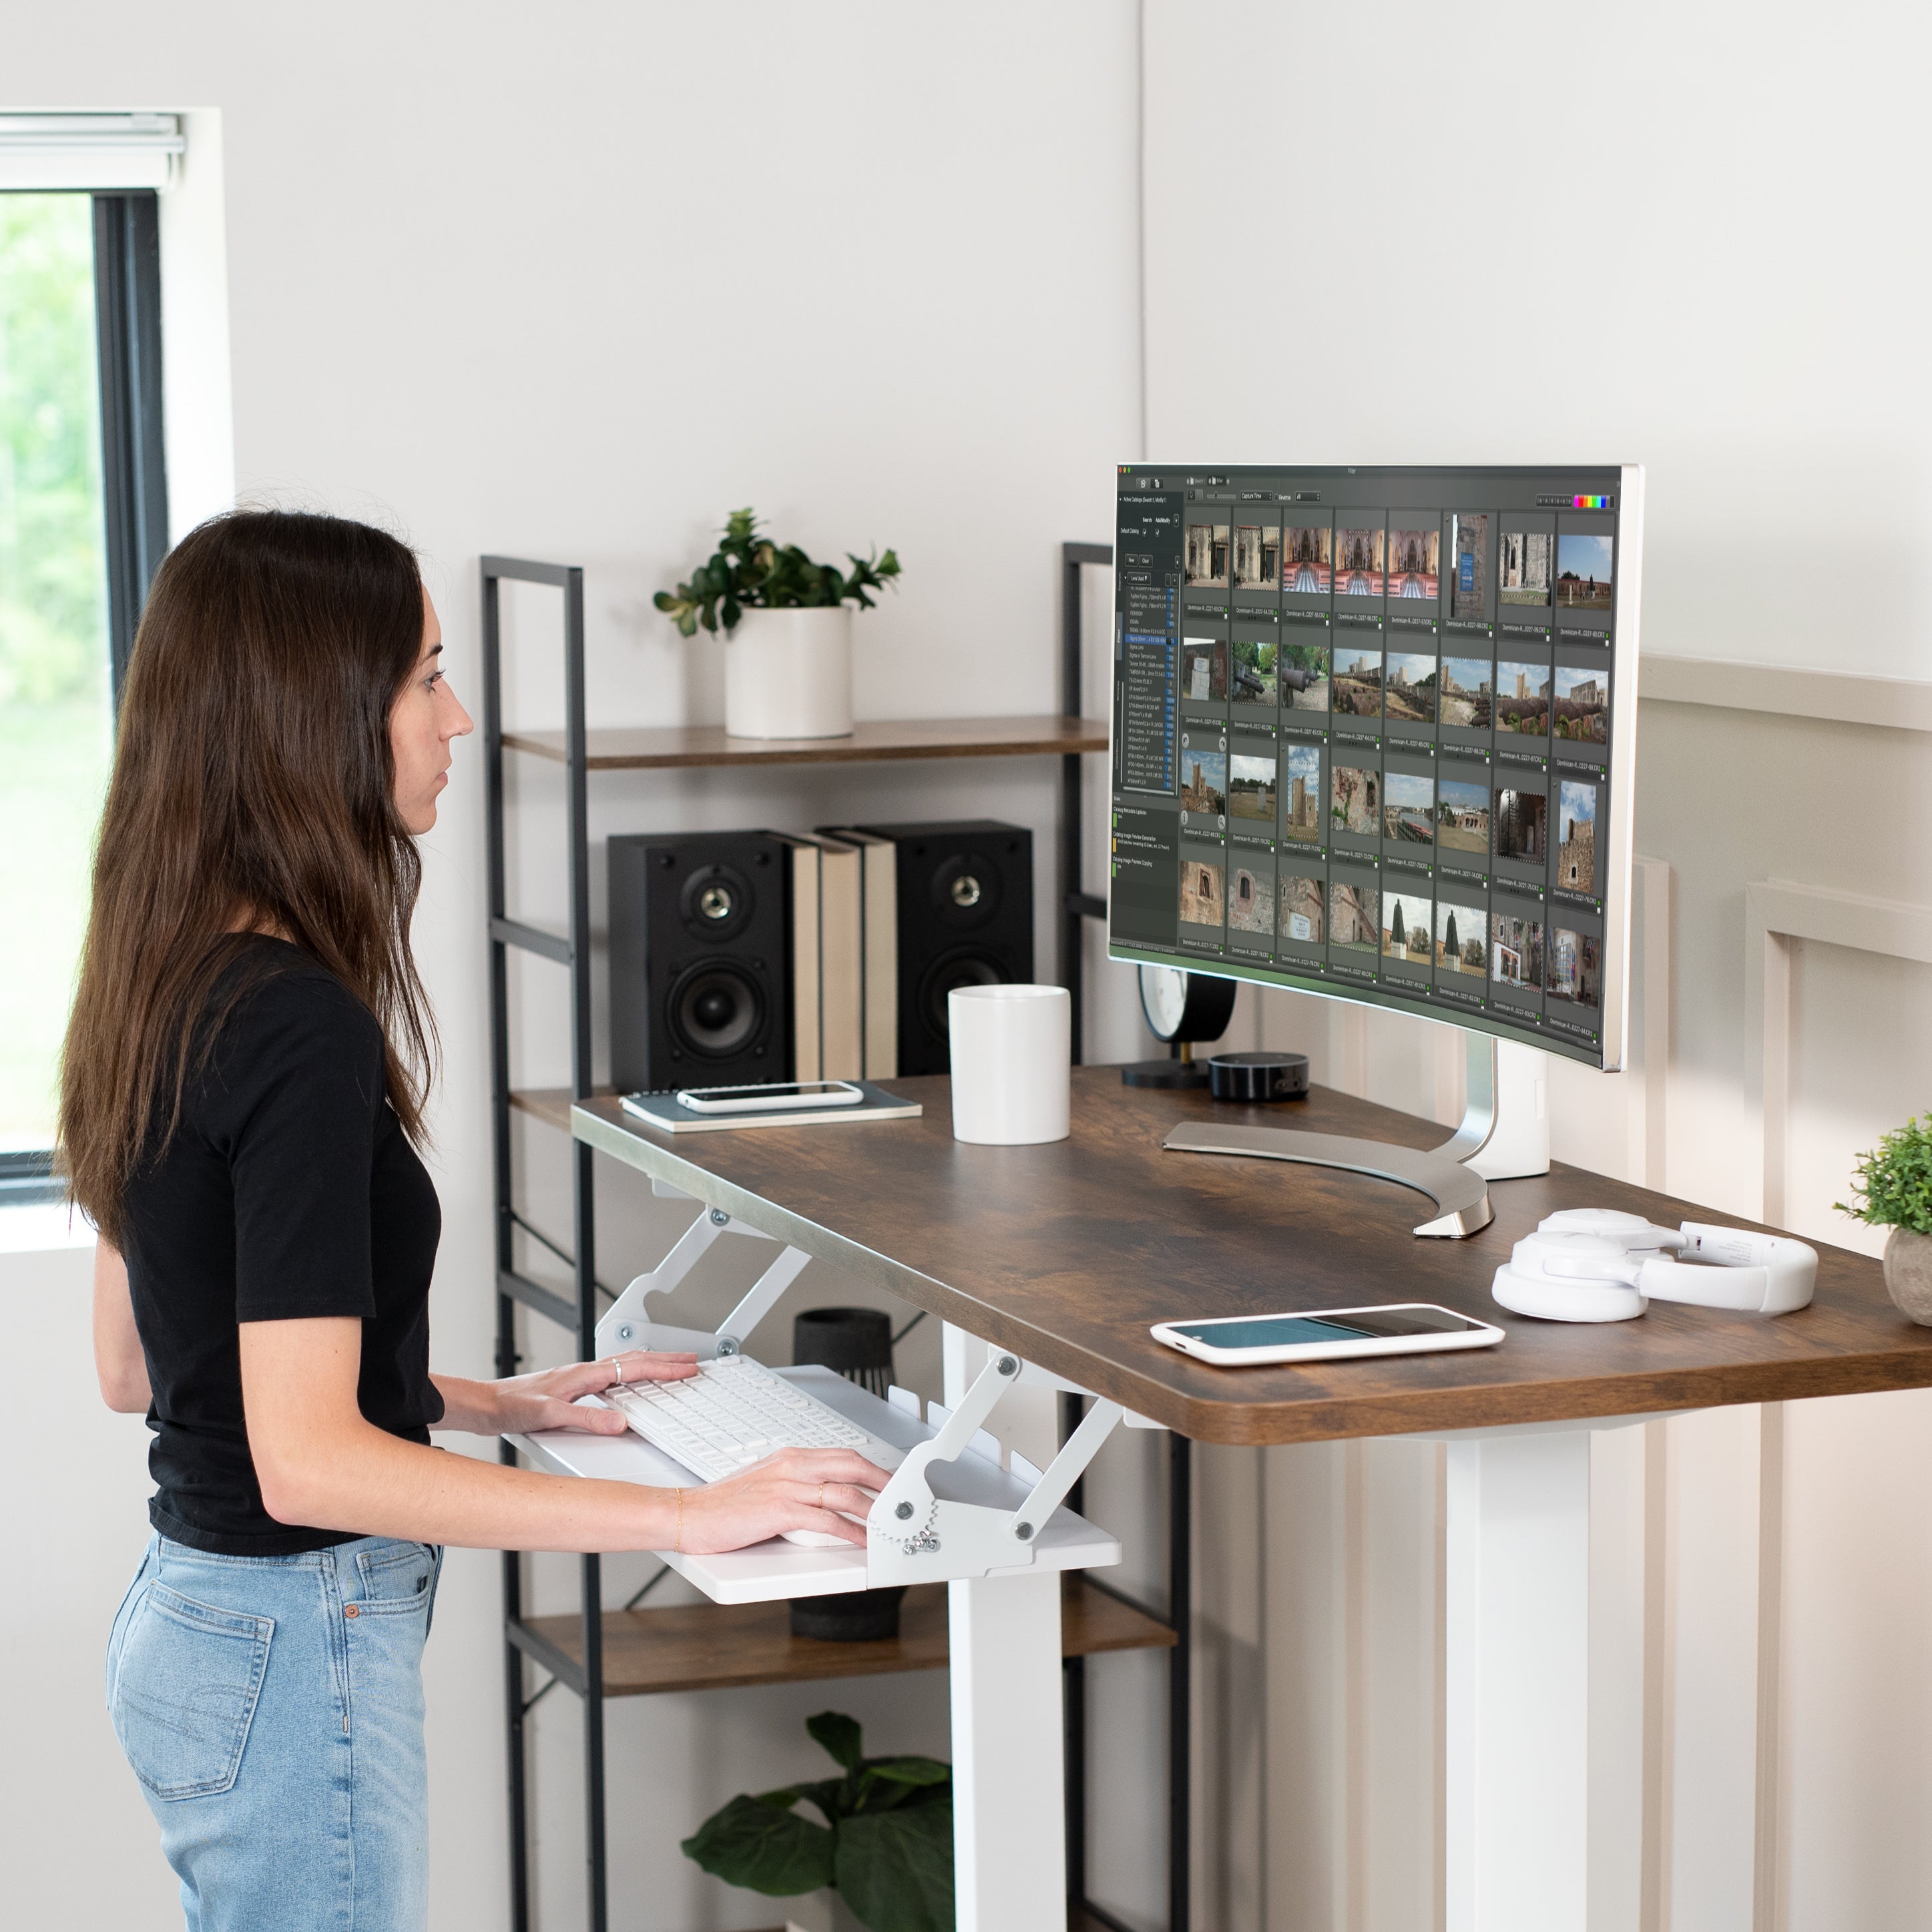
525,1644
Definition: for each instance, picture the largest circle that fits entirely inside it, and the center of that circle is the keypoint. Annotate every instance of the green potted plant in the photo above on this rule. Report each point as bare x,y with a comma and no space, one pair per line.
886,1846
1892,1187
787,625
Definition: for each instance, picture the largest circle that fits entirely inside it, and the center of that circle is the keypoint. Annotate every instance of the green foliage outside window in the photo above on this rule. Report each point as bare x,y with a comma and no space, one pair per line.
54,722
53,618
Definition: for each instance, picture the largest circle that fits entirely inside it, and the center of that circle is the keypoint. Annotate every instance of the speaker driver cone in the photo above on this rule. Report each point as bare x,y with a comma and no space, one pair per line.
716,1009
954,969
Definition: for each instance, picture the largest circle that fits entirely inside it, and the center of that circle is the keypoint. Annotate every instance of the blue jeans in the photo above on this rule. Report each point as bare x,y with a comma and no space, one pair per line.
272,1708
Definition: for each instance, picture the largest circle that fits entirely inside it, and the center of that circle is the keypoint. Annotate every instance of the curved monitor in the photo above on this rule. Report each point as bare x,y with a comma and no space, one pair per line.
1374,736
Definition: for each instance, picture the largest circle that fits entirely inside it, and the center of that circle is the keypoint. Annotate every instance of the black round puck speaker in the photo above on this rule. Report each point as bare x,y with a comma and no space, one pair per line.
1258,1076
1170,1073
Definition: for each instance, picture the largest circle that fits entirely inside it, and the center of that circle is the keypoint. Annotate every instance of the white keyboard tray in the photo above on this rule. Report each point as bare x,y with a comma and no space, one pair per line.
771,1571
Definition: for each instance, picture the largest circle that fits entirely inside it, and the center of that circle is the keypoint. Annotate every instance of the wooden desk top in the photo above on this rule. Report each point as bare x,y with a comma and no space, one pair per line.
1067,1253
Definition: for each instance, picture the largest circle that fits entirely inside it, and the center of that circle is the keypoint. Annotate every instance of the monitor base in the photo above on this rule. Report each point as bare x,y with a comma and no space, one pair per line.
1462,1200
1505,1136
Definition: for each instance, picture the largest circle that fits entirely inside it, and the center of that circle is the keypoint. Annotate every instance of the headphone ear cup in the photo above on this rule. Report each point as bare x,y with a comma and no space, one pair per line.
1567,1301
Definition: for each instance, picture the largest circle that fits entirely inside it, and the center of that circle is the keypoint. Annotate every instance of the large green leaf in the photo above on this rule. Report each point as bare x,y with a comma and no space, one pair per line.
840,1736
894,1868
911,1770
826,1793
761,1846
884,1782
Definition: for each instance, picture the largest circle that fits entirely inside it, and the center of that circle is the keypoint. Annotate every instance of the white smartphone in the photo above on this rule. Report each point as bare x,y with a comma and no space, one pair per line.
769,1098
1326,1334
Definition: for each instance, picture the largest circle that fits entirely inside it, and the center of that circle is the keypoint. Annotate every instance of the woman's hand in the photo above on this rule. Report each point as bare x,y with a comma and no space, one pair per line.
547,1399
797,1489
322,1465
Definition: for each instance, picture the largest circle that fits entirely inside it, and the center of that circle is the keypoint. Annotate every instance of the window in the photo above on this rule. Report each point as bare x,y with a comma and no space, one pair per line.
82,525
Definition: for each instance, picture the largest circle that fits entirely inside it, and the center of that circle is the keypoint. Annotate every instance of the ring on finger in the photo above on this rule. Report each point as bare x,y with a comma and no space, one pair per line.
821,1495
617,1372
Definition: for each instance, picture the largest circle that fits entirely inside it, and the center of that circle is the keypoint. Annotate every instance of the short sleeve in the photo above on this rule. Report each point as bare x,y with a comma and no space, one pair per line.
303,1072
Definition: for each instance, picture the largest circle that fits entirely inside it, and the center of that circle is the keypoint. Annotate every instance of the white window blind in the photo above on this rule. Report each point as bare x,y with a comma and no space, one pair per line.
49,151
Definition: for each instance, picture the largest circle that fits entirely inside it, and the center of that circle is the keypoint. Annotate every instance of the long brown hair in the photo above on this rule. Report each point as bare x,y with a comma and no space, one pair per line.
253,790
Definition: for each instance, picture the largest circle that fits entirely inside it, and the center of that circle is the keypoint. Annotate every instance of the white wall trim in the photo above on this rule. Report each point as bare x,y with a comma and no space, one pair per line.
1778,914
1651,947
1767,1864
1902,704
197,389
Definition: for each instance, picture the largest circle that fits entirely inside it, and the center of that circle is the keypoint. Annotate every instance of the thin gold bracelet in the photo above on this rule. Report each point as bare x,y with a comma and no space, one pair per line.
677,1543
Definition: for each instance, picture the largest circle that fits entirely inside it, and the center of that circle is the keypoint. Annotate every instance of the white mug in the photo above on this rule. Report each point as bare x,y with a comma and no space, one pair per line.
1012,1056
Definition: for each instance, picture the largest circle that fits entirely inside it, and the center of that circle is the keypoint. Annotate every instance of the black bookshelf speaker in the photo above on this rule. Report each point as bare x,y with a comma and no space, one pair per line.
700,947
965,919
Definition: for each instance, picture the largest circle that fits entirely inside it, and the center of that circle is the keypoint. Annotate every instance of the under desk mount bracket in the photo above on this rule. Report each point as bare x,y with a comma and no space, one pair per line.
625,1325
914,1536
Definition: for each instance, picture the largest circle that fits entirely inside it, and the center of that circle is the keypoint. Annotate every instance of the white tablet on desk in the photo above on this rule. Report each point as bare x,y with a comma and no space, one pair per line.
794,1106
1326,1334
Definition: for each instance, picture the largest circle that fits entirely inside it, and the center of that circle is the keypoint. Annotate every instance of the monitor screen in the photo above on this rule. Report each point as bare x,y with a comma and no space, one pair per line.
1373,733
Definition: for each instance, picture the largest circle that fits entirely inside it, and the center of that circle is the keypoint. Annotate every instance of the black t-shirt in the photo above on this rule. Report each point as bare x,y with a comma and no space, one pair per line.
289,1190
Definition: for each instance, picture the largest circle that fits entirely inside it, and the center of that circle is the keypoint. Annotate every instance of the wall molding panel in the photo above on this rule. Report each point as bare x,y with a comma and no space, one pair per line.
1779,915
1844,697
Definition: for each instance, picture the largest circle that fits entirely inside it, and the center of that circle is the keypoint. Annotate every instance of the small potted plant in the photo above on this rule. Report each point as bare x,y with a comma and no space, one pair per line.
886,1846
787,630
1892,1187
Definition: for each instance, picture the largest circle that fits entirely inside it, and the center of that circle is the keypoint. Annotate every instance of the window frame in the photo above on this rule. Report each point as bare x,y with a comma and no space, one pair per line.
133,485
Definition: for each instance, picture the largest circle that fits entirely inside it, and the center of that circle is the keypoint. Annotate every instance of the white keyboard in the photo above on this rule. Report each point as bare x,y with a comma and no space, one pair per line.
734,1412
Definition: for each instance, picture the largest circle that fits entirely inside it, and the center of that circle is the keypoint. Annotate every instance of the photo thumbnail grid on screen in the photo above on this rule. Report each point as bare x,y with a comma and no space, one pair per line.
1371,737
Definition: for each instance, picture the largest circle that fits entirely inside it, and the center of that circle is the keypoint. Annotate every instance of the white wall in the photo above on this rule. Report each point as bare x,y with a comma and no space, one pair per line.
572,284
71,1815
1392,233
1651,232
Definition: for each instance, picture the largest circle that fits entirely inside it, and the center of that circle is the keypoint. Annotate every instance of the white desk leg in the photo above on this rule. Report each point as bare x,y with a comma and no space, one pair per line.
1009,1780
1009,1777
1544,1704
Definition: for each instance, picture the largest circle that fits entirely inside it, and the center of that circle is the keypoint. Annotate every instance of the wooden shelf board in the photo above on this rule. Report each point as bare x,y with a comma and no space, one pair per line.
722,1646
549,1105
666,747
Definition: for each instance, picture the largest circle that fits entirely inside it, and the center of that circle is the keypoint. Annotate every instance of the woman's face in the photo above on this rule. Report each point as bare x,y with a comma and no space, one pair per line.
425,717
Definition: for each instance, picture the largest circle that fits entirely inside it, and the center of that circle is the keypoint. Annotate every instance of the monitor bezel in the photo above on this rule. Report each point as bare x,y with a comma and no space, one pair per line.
1620,845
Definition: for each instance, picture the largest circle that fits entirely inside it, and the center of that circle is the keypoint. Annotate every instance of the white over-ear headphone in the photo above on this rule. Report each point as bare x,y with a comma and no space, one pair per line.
1596,1265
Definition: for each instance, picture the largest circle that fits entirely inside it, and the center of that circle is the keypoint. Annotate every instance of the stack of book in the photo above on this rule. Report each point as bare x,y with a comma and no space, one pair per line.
844,955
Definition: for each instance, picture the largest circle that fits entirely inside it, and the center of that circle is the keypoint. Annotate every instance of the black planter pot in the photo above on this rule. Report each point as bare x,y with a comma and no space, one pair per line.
850,1616
857,1343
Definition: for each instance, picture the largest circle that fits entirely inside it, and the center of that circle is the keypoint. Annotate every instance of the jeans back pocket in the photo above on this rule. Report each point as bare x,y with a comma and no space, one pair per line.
184,1694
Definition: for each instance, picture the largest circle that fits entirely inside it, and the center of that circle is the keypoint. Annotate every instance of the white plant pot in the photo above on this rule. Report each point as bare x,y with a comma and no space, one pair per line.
788,674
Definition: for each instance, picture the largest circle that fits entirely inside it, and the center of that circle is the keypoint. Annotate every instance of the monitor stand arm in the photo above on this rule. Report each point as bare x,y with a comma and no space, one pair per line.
1505,1136
1505,1131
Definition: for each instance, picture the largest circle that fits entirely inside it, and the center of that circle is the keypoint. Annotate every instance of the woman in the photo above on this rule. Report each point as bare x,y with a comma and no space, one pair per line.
241,1108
